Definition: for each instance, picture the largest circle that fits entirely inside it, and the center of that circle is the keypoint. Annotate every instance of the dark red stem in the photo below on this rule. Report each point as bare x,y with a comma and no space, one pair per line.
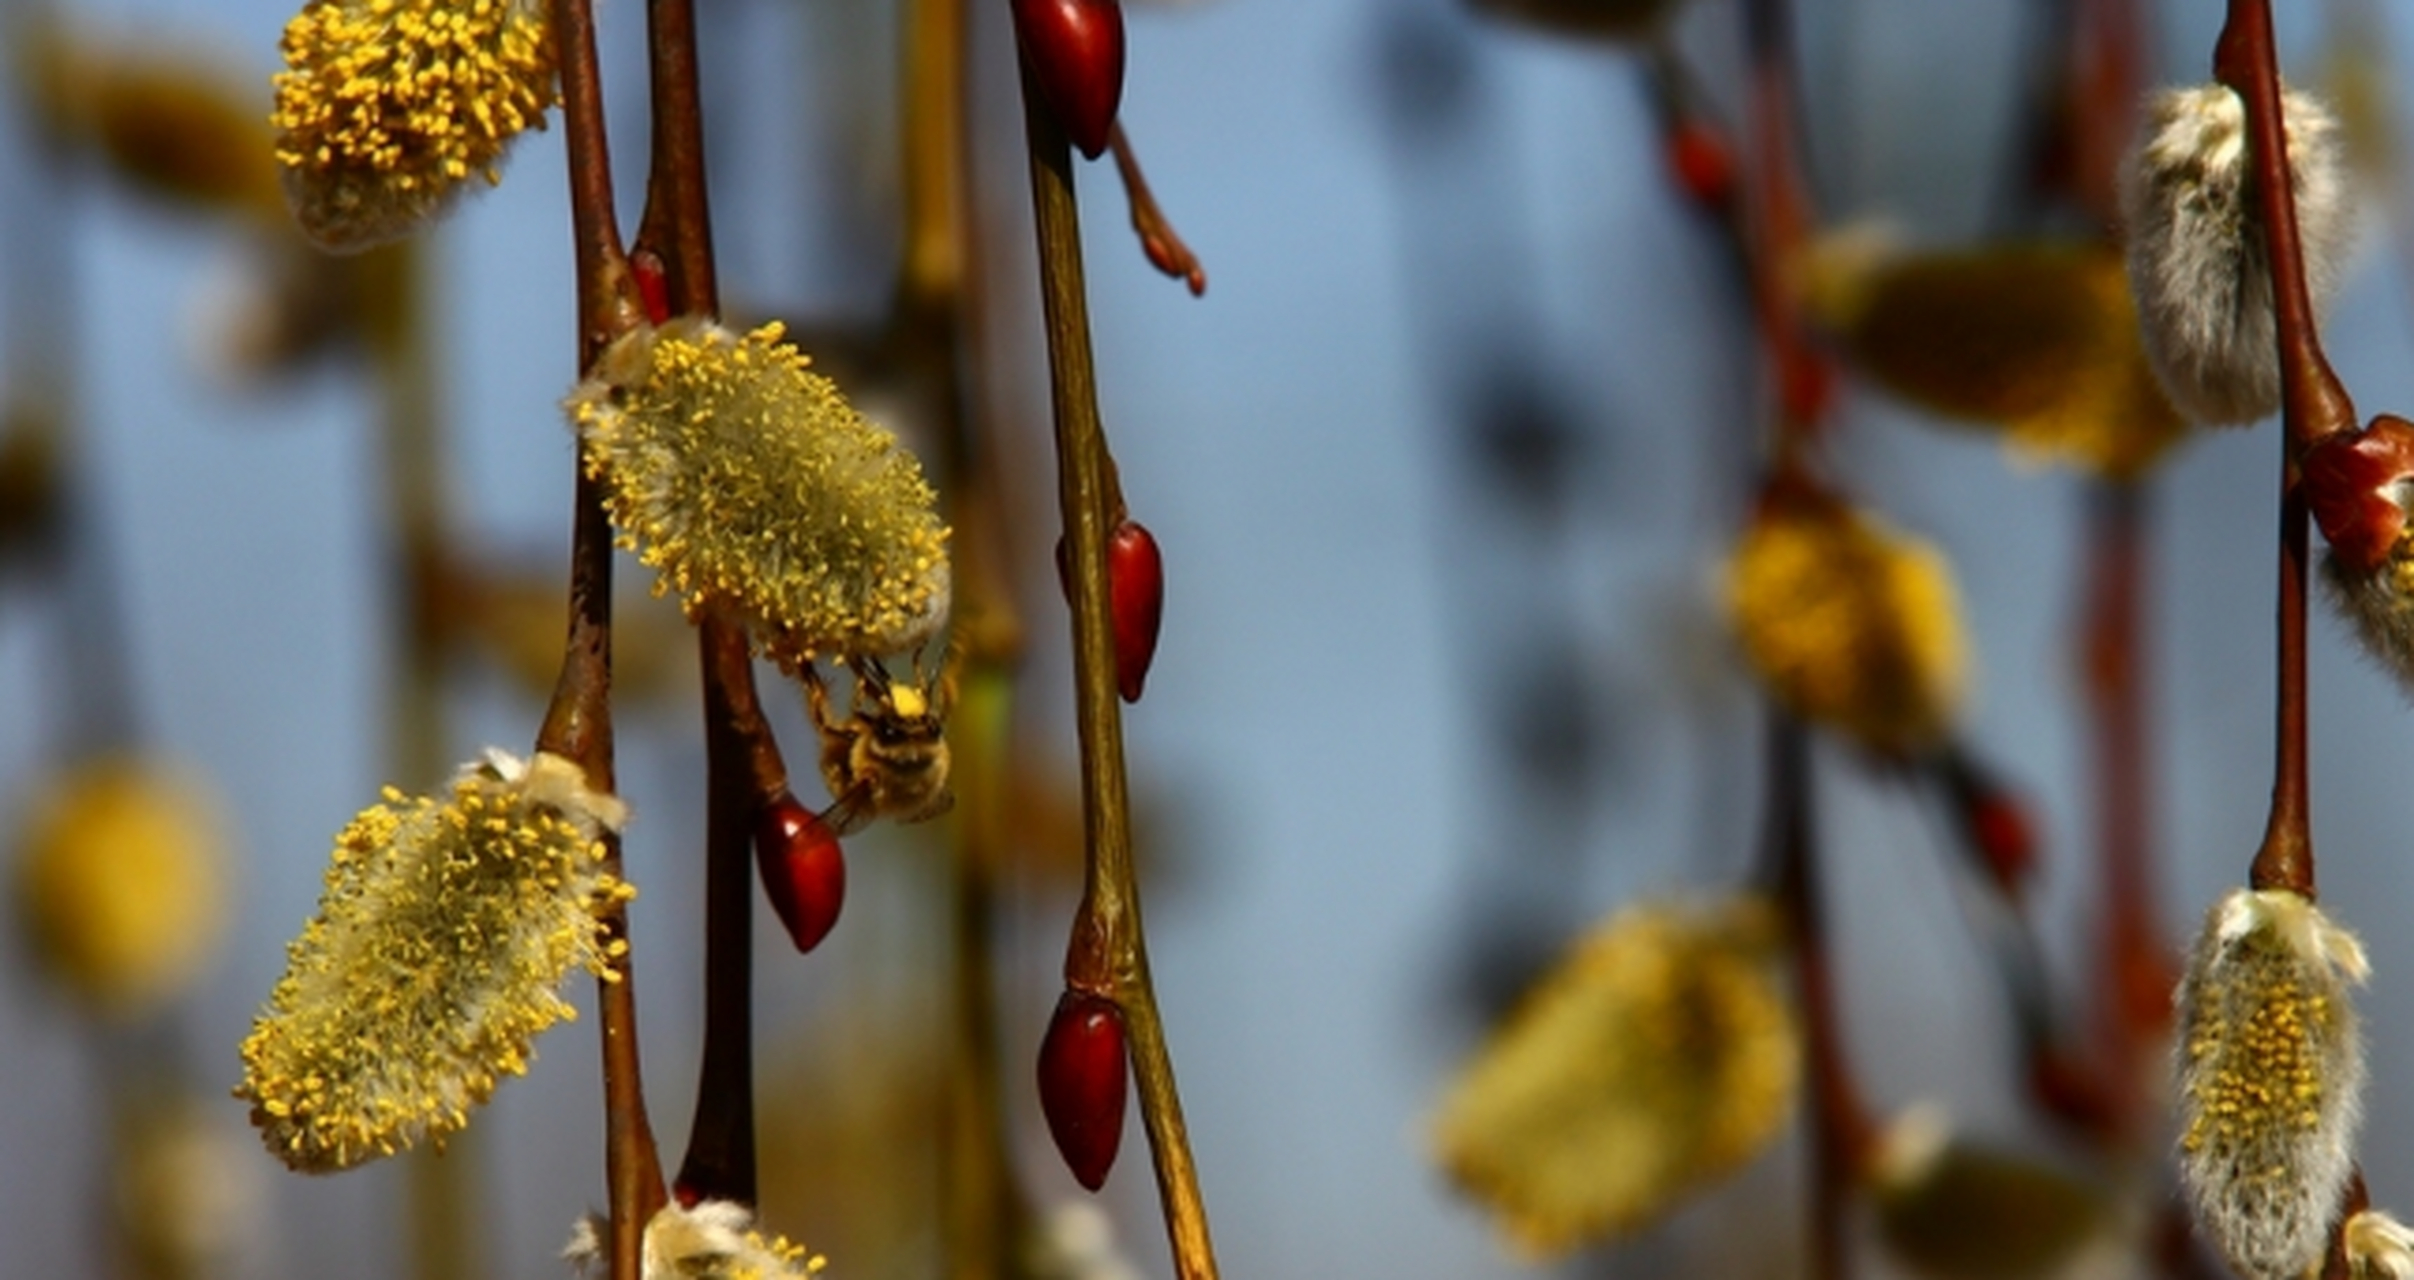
1840,1129
578,723
2313,405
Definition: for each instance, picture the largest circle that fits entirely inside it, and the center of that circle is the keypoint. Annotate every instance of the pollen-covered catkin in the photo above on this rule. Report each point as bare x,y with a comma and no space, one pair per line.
445,929
712,1240
2380,606
751,486
387,107
2271,1077
2197,261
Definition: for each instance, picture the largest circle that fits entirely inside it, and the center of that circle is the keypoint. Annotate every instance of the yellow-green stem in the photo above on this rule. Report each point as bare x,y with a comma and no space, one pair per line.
1108,954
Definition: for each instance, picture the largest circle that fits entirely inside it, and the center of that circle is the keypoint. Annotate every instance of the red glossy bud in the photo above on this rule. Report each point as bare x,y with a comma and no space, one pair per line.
1135,600
1074,49
1082,1079
1702,164
653,285
2351,484
804,871
1135,579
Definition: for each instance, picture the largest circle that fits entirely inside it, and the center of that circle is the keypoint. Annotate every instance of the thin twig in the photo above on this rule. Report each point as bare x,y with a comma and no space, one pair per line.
2314,405
578,722
1107,954
1164,247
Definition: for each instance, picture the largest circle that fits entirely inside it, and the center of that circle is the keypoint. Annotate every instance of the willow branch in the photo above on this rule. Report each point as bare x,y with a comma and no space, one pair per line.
2313,405
1840,1129
742,762
578,723
1107,955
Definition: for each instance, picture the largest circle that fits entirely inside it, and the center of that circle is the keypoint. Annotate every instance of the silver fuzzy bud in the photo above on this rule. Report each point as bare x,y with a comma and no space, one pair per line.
2197,263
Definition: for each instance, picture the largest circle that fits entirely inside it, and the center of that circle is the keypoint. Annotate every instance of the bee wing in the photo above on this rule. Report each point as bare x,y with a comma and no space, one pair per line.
851,812
939,805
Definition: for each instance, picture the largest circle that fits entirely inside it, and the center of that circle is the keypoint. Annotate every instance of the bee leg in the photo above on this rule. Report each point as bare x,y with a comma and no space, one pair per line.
817,699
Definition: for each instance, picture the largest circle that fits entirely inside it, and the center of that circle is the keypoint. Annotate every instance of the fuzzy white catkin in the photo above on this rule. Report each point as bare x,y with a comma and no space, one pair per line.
2197,262
2271,1079
2379,604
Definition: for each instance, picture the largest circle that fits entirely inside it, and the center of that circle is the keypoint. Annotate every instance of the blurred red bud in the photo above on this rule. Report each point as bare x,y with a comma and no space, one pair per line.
1074,49
1082,1079
1702,164
804,871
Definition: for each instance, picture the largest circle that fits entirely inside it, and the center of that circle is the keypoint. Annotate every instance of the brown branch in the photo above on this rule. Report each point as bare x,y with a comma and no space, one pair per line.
1841,1133
578,723
1107,954
2314,405
743,768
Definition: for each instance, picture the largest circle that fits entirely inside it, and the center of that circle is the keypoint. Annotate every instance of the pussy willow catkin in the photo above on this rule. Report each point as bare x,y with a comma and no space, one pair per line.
386,108
2197,262
752,486
2271,1078
445,929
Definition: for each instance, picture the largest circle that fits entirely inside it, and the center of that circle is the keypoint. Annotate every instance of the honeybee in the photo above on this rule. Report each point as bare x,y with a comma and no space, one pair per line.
887,756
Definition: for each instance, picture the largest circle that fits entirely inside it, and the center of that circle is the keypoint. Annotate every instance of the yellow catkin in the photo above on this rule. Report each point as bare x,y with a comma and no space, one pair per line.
441,939
713,1240
751,485
2271,1076
1849,623
121,884
1657,1058
387,107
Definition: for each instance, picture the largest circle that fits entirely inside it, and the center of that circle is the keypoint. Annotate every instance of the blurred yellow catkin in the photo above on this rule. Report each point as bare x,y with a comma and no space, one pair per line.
2039,341
386,108
1657,1058
121,884
445,929
751,485
1849,623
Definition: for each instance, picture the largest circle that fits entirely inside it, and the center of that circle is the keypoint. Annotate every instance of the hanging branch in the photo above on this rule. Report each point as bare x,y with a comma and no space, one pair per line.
743,768
1107,956
1840,1129
578,722
2313,405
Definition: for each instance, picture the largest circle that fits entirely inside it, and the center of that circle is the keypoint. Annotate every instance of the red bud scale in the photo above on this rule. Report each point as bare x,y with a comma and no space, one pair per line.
1074,49
2351,484
804,871
1083,1075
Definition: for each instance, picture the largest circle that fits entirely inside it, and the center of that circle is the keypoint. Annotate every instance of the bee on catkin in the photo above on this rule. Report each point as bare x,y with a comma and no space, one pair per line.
2197,262
2271,1078
386,108
752,486
444,932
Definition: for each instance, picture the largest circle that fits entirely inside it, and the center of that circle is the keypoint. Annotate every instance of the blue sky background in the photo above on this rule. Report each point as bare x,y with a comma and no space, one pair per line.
1343,611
